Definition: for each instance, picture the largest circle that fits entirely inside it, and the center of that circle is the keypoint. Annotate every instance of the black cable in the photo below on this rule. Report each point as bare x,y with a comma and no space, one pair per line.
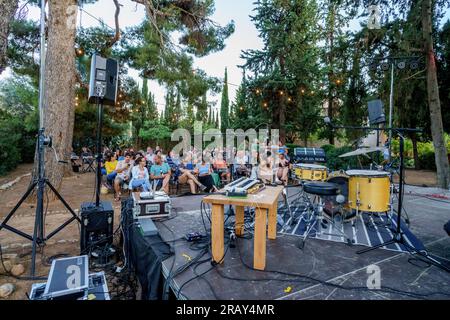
326,283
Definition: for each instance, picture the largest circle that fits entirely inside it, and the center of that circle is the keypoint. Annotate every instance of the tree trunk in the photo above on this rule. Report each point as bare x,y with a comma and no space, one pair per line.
59,85
437,131
8,9
415,152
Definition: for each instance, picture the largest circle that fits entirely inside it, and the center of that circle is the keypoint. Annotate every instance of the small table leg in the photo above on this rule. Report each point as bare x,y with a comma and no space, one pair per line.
259,250
273,223
239,226
217,232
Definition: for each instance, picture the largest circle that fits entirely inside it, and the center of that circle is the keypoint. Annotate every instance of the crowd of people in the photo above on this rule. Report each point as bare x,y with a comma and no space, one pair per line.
202,171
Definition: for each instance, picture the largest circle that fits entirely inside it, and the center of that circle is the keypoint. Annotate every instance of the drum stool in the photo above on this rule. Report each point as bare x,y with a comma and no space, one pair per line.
314,212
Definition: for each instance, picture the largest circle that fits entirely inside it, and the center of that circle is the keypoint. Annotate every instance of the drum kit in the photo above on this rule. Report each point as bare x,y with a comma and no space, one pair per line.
338,197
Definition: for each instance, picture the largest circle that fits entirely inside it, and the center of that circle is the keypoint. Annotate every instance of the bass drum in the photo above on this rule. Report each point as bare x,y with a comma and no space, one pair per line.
331,207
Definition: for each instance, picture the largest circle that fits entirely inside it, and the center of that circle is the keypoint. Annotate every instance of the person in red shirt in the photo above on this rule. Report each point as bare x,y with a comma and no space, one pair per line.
220,165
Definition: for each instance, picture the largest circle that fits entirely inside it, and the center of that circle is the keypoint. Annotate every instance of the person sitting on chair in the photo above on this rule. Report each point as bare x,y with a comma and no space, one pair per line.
220,165
283,169
123,170
160,173
110,167
186,176
265,169
140,177
240,166
204,170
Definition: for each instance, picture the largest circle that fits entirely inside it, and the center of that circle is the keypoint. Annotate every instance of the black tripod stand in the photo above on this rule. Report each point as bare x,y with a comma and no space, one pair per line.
38,237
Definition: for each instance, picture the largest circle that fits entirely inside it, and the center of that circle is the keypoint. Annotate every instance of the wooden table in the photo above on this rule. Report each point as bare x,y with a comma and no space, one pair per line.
263,202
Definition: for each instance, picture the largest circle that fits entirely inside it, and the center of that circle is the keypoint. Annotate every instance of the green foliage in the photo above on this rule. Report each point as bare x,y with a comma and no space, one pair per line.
154,131
10,138
336,163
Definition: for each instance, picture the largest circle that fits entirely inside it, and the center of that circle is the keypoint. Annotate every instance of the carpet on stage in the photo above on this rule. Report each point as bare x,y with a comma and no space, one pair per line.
367,229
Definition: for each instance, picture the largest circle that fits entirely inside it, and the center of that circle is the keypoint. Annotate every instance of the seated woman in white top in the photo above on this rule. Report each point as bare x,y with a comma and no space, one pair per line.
140,178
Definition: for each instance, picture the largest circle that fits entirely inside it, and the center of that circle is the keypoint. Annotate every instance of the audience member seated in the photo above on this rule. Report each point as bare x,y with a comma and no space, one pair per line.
119,155
240,164
140,179
283,169
160,173
123,170
265,169
220,165
149,156
204,171
110,167
187,176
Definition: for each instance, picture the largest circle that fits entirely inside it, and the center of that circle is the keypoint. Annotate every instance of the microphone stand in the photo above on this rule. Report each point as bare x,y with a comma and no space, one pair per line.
398,237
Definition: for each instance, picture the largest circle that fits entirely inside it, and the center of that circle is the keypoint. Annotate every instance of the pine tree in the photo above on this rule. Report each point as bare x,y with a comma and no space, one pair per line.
224,105
210,118
202,109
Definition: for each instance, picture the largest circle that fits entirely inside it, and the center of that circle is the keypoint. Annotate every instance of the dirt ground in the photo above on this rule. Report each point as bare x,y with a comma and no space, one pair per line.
75,189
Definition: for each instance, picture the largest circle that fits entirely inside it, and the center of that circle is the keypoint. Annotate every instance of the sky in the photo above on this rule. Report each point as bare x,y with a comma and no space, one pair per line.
244,37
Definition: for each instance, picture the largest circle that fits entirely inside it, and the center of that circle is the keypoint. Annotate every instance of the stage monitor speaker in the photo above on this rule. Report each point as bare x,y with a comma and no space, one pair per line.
103,80
96,226
376,112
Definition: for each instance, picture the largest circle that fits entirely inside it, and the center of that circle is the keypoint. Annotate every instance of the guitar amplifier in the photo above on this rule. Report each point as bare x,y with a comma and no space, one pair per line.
159,206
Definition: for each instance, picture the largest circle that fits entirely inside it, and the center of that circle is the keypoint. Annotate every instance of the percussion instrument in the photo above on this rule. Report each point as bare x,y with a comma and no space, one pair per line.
369,190
310,172
331,205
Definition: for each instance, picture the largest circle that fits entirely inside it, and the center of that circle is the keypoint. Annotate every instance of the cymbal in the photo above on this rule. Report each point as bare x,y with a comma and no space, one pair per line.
361,151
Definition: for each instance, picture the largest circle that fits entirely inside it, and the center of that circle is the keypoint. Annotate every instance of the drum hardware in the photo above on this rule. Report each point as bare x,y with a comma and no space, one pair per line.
397,233
314,211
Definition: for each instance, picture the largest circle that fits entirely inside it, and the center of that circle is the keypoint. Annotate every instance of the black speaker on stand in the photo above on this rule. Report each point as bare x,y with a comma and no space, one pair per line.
376,117
98,218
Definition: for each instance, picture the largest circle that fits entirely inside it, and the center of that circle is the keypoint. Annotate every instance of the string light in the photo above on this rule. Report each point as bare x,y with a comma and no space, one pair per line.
265,104
289,99
258,91
338,81
281,92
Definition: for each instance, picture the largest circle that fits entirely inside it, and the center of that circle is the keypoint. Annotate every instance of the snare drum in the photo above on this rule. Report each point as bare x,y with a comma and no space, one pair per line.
311,172
369,190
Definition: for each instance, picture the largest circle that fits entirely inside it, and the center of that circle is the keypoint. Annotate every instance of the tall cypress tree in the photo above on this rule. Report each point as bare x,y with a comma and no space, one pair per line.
224,105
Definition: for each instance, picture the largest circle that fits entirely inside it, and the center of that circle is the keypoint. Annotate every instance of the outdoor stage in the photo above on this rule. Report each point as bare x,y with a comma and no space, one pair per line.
322,260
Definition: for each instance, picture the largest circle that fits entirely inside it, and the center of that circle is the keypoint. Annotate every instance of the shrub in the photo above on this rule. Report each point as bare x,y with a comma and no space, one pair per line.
10,137
336,163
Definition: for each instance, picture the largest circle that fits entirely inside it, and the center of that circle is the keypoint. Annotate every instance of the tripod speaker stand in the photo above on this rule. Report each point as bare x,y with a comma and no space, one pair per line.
41,182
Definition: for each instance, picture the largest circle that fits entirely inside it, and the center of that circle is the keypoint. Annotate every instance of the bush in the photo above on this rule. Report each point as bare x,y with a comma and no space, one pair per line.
427,160
335,163
10,138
